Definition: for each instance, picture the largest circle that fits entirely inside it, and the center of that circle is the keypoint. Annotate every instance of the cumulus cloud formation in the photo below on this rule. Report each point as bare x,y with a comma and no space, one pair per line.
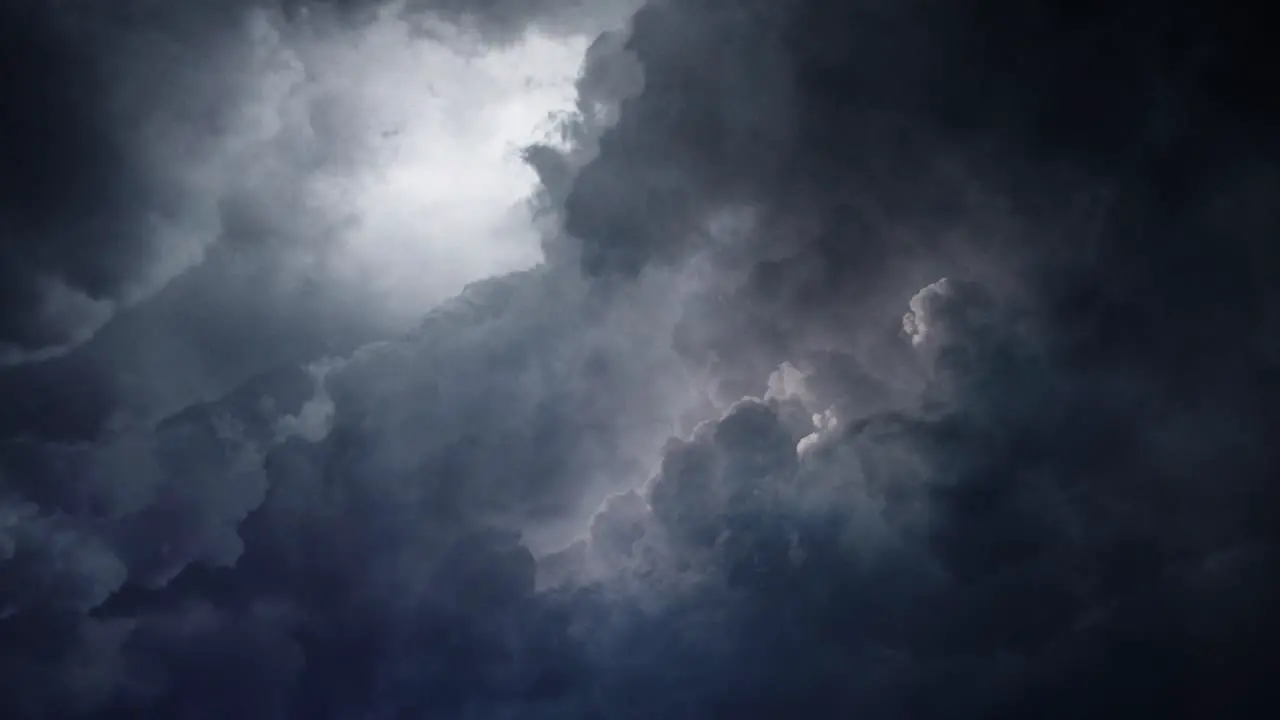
920,324
255,128
321,173
727,359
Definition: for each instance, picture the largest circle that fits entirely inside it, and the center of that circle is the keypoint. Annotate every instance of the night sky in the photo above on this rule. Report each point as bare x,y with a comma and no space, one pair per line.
574,359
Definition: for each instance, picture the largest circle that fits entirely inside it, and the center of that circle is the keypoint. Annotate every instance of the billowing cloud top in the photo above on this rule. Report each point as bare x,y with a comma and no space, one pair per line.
822,359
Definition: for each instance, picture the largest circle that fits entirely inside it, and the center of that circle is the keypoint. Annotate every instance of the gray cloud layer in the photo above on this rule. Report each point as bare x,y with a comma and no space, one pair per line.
736,448
246,157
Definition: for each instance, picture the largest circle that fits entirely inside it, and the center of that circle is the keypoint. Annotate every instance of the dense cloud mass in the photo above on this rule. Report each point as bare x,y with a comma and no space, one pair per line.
314,171
886,360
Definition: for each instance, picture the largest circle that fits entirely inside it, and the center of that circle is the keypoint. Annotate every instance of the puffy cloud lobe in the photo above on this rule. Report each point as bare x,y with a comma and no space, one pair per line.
50,563
135,508
921,323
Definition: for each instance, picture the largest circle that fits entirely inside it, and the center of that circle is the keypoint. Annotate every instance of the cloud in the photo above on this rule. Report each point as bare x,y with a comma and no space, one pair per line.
694,463
920,323
930,563
979,530
309,140
352,509
314,164
51,564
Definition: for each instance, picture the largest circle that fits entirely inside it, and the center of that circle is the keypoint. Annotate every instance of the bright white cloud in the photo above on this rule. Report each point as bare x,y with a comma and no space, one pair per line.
921,323
448,206
381,161
421,136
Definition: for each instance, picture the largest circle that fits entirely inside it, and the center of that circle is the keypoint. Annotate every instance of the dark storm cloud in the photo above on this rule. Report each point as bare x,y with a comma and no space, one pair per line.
1040,487
96,213
124,546
1015,550
357,518
882,147
77,198
1029,529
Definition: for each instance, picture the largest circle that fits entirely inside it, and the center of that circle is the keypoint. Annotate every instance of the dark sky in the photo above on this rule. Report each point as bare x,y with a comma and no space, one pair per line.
909,359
